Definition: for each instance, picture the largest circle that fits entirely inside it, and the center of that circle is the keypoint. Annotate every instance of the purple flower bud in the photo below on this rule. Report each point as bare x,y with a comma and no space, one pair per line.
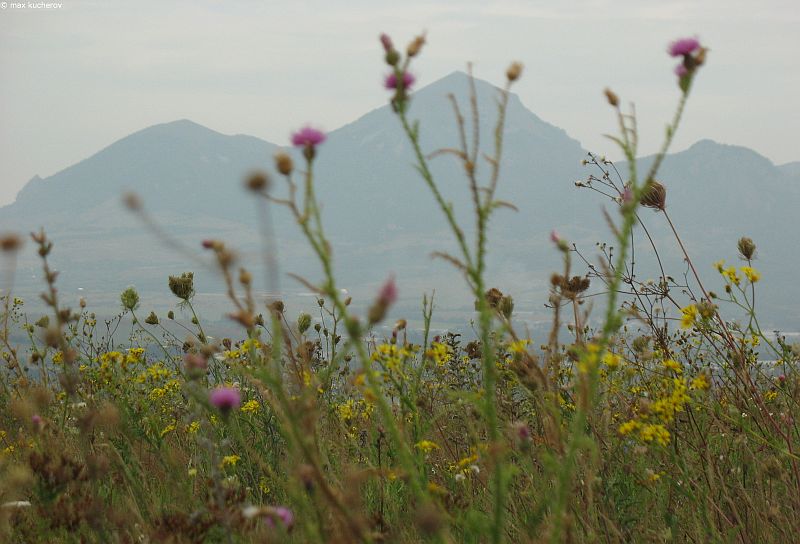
388,293
391,81
37,421
386,41
684,46
681,70
627,195
308,137
225,398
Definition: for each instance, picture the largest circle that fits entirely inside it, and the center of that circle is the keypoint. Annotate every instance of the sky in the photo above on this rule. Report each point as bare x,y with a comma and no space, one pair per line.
78,77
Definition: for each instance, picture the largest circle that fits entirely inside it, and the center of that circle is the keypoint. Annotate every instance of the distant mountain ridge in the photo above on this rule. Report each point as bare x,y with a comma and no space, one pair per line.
380,216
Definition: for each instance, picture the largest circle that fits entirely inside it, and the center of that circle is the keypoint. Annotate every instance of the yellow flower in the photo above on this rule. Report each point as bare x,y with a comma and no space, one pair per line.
751,273
731,275
426,446
192,472
628,427
654,431
700,383
251,407
518,346
168,429
58,357
612,360
720,266
440,353
193,427
673,365
230,461
689,316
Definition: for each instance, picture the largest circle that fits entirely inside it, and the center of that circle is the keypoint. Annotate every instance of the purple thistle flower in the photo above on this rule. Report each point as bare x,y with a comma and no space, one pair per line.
391,81
285,515
681,70
555,237
225,398
684,46
308,137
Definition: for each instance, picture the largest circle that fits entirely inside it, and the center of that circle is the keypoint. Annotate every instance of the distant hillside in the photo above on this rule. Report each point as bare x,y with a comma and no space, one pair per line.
380,216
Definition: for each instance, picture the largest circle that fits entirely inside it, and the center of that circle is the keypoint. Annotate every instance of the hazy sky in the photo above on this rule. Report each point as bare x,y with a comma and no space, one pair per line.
77,78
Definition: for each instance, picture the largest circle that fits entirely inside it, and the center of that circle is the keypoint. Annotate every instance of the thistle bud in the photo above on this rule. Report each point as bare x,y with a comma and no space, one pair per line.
612,98
514,71
258,182
170,315
507,306
284,164
245,277
386,297
747,248
151,319
132,202
416,46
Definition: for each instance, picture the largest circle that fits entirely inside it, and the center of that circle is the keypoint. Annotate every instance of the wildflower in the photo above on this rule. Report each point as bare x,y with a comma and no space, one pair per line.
193,427
230,461
731,276
518,346
225,398
700,383
308,137
37,422
655,432
251,407
681,70
628,427
426,446
751,273
283,515
168,429
440,353
611,360
303,322
673,365
689,316
392,82
683,47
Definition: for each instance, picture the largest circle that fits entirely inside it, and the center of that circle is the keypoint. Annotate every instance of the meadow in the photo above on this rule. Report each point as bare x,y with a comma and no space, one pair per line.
645,415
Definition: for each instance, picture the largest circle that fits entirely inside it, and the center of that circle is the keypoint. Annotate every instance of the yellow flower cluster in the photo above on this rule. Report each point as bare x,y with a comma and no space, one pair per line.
440,353
426,446
689,316
251,407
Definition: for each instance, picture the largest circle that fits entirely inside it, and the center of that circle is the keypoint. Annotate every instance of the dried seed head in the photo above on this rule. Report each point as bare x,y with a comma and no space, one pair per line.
283,163
245,277
654,196
151,319
182,286
747,248
514,71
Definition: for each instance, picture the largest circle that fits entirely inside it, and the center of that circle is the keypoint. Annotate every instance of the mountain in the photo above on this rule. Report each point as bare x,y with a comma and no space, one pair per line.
381,217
